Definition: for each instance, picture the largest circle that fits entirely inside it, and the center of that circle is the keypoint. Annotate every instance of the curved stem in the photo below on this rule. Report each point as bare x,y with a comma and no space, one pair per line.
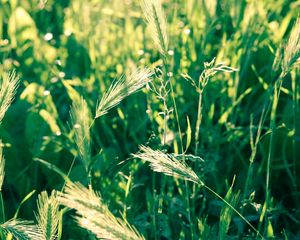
236,211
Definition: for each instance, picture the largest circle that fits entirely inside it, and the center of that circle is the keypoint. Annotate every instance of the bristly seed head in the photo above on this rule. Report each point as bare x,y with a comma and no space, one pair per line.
122,88
167,164
157,23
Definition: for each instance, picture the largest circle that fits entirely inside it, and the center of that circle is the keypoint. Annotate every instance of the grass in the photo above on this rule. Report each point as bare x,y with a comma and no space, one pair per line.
205,92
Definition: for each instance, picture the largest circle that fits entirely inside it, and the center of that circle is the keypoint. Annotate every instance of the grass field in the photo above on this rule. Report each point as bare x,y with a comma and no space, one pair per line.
149,119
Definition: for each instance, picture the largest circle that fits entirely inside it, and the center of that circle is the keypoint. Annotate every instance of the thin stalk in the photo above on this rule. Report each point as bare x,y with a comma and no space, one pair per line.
198,123
165,63
2,220
254,146
276,96
187,192
177,118
236,211
295,108
73,162
166,114
163,51
154,207
165,122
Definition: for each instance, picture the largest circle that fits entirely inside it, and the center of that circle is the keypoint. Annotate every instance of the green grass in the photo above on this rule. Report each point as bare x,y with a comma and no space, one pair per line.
205,92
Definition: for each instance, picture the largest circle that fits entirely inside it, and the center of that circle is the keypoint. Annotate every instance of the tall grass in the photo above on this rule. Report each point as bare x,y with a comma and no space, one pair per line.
210,69
8,89
164,163
227,136
289,56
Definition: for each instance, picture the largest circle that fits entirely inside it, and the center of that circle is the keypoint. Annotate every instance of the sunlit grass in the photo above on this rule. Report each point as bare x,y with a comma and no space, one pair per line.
205,92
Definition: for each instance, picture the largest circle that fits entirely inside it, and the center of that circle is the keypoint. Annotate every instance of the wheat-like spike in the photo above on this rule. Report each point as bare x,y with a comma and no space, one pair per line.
122,88
2,164
81,120
292,48
8,88
22,230
157,23
167,164
278,60
94,215
48,215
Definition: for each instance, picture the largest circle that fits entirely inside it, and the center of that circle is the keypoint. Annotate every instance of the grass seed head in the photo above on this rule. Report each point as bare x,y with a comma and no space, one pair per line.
8,88
81,121
167,164
48,215
157,23
122,88
94,215
21,229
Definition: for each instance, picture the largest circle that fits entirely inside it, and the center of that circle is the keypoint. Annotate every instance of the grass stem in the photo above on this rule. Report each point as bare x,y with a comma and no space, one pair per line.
2,220
198,123
277,89
234,209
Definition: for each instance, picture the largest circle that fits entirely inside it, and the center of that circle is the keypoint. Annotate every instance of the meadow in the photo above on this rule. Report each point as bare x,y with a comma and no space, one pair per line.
149,119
